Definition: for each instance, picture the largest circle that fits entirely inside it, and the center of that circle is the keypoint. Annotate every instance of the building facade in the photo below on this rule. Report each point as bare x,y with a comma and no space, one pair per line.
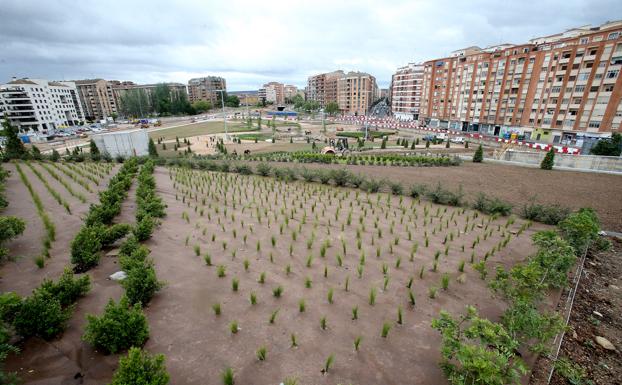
406,89
97,98
273,92
206,88
356,91
289,92
323,88
41,106
564,88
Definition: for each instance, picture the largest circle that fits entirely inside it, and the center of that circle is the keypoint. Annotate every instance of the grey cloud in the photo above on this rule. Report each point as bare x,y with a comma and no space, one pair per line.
253,42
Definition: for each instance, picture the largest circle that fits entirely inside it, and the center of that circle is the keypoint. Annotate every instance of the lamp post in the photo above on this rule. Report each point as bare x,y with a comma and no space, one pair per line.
224,116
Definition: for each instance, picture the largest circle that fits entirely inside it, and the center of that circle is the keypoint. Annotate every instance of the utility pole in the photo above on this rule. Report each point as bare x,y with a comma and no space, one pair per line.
224,116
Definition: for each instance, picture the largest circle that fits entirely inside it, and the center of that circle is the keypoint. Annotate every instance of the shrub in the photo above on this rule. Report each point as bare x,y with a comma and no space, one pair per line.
144,228
141,283
548,214
120,327
371,186
492,205
263,169
227,377
417,190
476,350
478,157
396,188
580,229
85,247
67,289
549,160
340,176
41,315
446,197
386,327
10,227
141,368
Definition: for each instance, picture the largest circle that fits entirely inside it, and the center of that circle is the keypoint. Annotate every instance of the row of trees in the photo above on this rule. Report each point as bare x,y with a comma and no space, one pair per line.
165,101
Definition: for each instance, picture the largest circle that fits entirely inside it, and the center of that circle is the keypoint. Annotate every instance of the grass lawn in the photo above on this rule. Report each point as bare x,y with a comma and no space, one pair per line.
202,128
259,136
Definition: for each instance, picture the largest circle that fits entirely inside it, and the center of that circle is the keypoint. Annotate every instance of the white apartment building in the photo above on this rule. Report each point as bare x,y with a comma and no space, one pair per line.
406,90
41,106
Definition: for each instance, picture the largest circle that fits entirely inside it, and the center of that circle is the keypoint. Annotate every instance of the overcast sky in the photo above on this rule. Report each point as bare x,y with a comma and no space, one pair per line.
253,42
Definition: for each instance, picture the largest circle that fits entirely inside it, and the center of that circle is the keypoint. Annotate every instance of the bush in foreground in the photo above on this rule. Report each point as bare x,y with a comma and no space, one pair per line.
41,315
120,327
141,368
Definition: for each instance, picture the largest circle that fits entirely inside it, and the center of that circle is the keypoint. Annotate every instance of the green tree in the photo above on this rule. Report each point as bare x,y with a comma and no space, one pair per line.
14,148
153,151
608,147
134,103
478,157
140,368
332,108
298,101
549,160
95,155
202,106
232,101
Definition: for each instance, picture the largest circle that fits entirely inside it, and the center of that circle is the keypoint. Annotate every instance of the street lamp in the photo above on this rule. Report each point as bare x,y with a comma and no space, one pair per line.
224,116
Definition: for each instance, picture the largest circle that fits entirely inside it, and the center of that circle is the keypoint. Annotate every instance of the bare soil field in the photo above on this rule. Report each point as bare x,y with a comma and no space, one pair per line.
514,184
237,221
304,255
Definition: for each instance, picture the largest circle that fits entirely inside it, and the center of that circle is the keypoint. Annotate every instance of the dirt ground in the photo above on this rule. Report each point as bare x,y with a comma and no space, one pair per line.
514,184
199,345
597,311
226,216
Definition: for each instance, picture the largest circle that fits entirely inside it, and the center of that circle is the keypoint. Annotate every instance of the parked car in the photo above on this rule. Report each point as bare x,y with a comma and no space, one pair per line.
457,139
441,136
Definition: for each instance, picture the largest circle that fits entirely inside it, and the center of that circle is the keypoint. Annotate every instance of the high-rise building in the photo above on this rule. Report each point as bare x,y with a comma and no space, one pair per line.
356,91
41,106
206,88
322,88
273,92
97,98
559,89
406,88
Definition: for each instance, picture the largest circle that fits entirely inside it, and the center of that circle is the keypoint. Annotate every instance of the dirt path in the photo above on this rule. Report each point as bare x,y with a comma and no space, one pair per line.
514,184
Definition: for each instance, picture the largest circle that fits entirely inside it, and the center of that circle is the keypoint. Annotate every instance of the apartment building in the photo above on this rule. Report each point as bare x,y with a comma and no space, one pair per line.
41,106
273,92
563,88
289,91
323,88
97,98
406,90
206,88
356,91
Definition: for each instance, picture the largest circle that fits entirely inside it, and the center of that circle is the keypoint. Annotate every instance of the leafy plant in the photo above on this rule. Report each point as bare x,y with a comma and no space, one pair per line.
261,353
120,327
139,367
228,377
357,343
386,327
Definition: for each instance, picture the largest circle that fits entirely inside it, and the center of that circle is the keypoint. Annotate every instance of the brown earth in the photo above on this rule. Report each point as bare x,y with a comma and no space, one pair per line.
514,184
198,345
600,290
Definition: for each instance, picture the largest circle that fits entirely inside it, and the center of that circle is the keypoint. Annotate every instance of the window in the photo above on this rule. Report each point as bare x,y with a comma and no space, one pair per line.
584,40
594,124
613,35
584,76
612,74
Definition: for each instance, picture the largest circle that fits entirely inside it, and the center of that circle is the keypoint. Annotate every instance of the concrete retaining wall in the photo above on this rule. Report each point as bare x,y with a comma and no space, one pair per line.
582,162
124,143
